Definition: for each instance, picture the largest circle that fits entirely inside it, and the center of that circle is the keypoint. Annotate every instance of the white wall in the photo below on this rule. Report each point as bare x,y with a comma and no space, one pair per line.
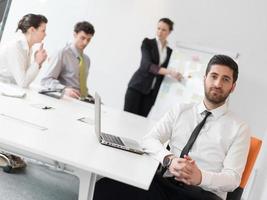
238,26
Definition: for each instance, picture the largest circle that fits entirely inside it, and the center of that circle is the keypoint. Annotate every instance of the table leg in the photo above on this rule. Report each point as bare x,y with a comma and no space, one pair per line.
87,184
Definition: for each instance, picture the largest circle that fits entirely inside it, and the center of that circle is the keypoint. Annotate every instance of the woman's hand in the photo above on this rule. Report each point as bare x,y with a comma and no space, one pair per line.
40,55
175,75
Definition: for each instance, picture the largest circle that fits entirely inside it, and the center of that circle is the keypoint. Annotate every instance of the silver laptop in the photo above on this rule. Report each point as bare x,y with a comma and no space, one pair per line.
112,140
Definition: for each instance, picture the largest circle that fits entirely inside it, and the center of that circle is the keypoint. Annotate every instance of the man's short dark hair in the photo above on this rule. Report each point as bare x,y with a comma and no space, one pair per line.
84,26
168,22
226,61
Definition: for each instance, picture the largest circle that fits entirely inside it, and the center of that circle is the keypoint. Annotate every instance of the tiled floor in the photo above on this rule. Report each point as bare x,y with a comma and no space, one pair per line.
38,182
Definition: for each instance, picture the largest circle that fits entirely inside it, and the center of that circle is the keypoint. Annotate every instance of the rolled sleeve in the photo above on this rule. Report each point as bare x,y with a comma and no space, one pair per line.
53,70
147,60
154,69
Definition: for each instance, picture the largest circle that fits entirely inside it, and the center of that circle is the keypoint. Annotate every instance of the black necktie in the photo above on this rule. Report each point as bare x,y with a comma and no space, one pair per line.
194,135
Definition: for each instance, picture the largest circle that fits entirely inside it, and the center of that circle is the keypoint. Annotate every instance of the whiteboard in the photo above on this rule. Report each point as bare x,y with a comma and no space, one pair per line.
191,61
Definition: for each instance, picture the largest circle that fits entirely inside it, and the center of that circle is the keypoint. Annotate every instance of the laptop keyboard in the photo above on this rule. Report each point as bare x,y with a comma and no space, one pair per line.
112,139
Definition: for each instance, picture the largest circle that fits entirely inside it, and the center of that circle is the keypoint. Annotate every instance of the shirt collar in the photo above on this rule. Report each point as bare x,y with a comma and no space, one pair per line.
216,113
159,43
76,52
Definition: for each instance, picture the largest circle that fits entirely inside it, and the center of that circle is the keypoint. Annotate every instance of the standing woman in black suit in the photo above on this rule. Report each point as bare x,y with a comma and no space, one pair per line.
145,83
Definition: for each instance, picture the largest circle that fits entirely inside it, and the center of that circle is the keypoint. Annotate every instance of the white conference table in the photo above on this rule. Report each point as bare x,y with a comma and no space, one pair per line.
57,136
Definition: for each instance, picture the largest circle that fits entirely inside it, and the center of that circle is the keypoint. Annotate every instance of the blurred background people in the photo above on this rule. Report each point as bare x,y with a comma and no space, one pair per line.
68,68
15,60
15,55
145,83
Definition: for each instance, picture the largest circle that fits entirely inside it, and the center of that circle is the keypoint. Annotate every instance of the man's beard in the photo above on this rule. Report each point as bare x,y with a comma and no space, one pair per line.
219,98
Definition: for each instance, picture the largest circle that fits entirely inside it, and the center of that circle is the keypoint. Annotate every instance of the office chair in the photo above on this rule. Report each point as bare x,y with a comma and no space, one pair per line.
255,145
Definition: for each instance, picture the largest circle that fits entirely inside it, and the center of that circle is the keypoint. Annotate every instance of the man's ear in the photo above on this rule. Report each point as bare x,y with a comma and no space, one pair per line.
204,78
233,87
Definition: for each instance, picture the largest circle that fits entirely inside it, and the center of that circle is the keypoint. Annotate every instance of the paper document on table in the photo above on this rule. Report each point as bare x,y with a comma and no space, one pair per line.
9,91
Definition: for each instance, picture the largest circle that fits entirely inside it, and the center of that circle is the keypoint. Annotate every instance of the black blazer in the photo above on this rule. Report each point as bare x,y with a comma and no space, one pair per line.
143,77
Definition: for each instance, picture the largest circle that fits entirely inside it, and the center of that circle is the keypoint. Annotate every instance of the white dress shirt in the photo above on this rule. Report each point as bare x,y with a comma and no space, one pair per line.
220,150
162,57
15,62
62,69
162,51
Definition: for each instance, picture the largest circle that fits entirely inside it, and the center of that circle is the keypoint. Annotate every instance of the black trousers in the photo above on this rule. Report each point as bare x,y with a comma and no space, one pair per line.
160,189
138,103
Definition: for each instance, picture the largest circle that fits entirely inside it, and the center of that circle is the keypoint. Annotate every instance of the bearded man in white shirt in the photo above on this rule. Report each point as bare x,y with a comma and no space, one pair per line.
213,164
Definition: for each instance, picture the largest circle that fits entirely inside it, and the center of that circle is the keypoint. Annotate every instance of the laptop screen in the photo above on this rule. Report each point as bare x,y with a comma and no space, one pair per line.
97,115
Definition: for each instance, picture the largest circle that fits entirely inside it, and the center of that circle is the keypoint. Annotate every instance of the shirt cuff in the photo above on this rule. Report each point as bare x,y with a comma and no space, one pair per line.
36,66
60,87
161,155
206,178
57,86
